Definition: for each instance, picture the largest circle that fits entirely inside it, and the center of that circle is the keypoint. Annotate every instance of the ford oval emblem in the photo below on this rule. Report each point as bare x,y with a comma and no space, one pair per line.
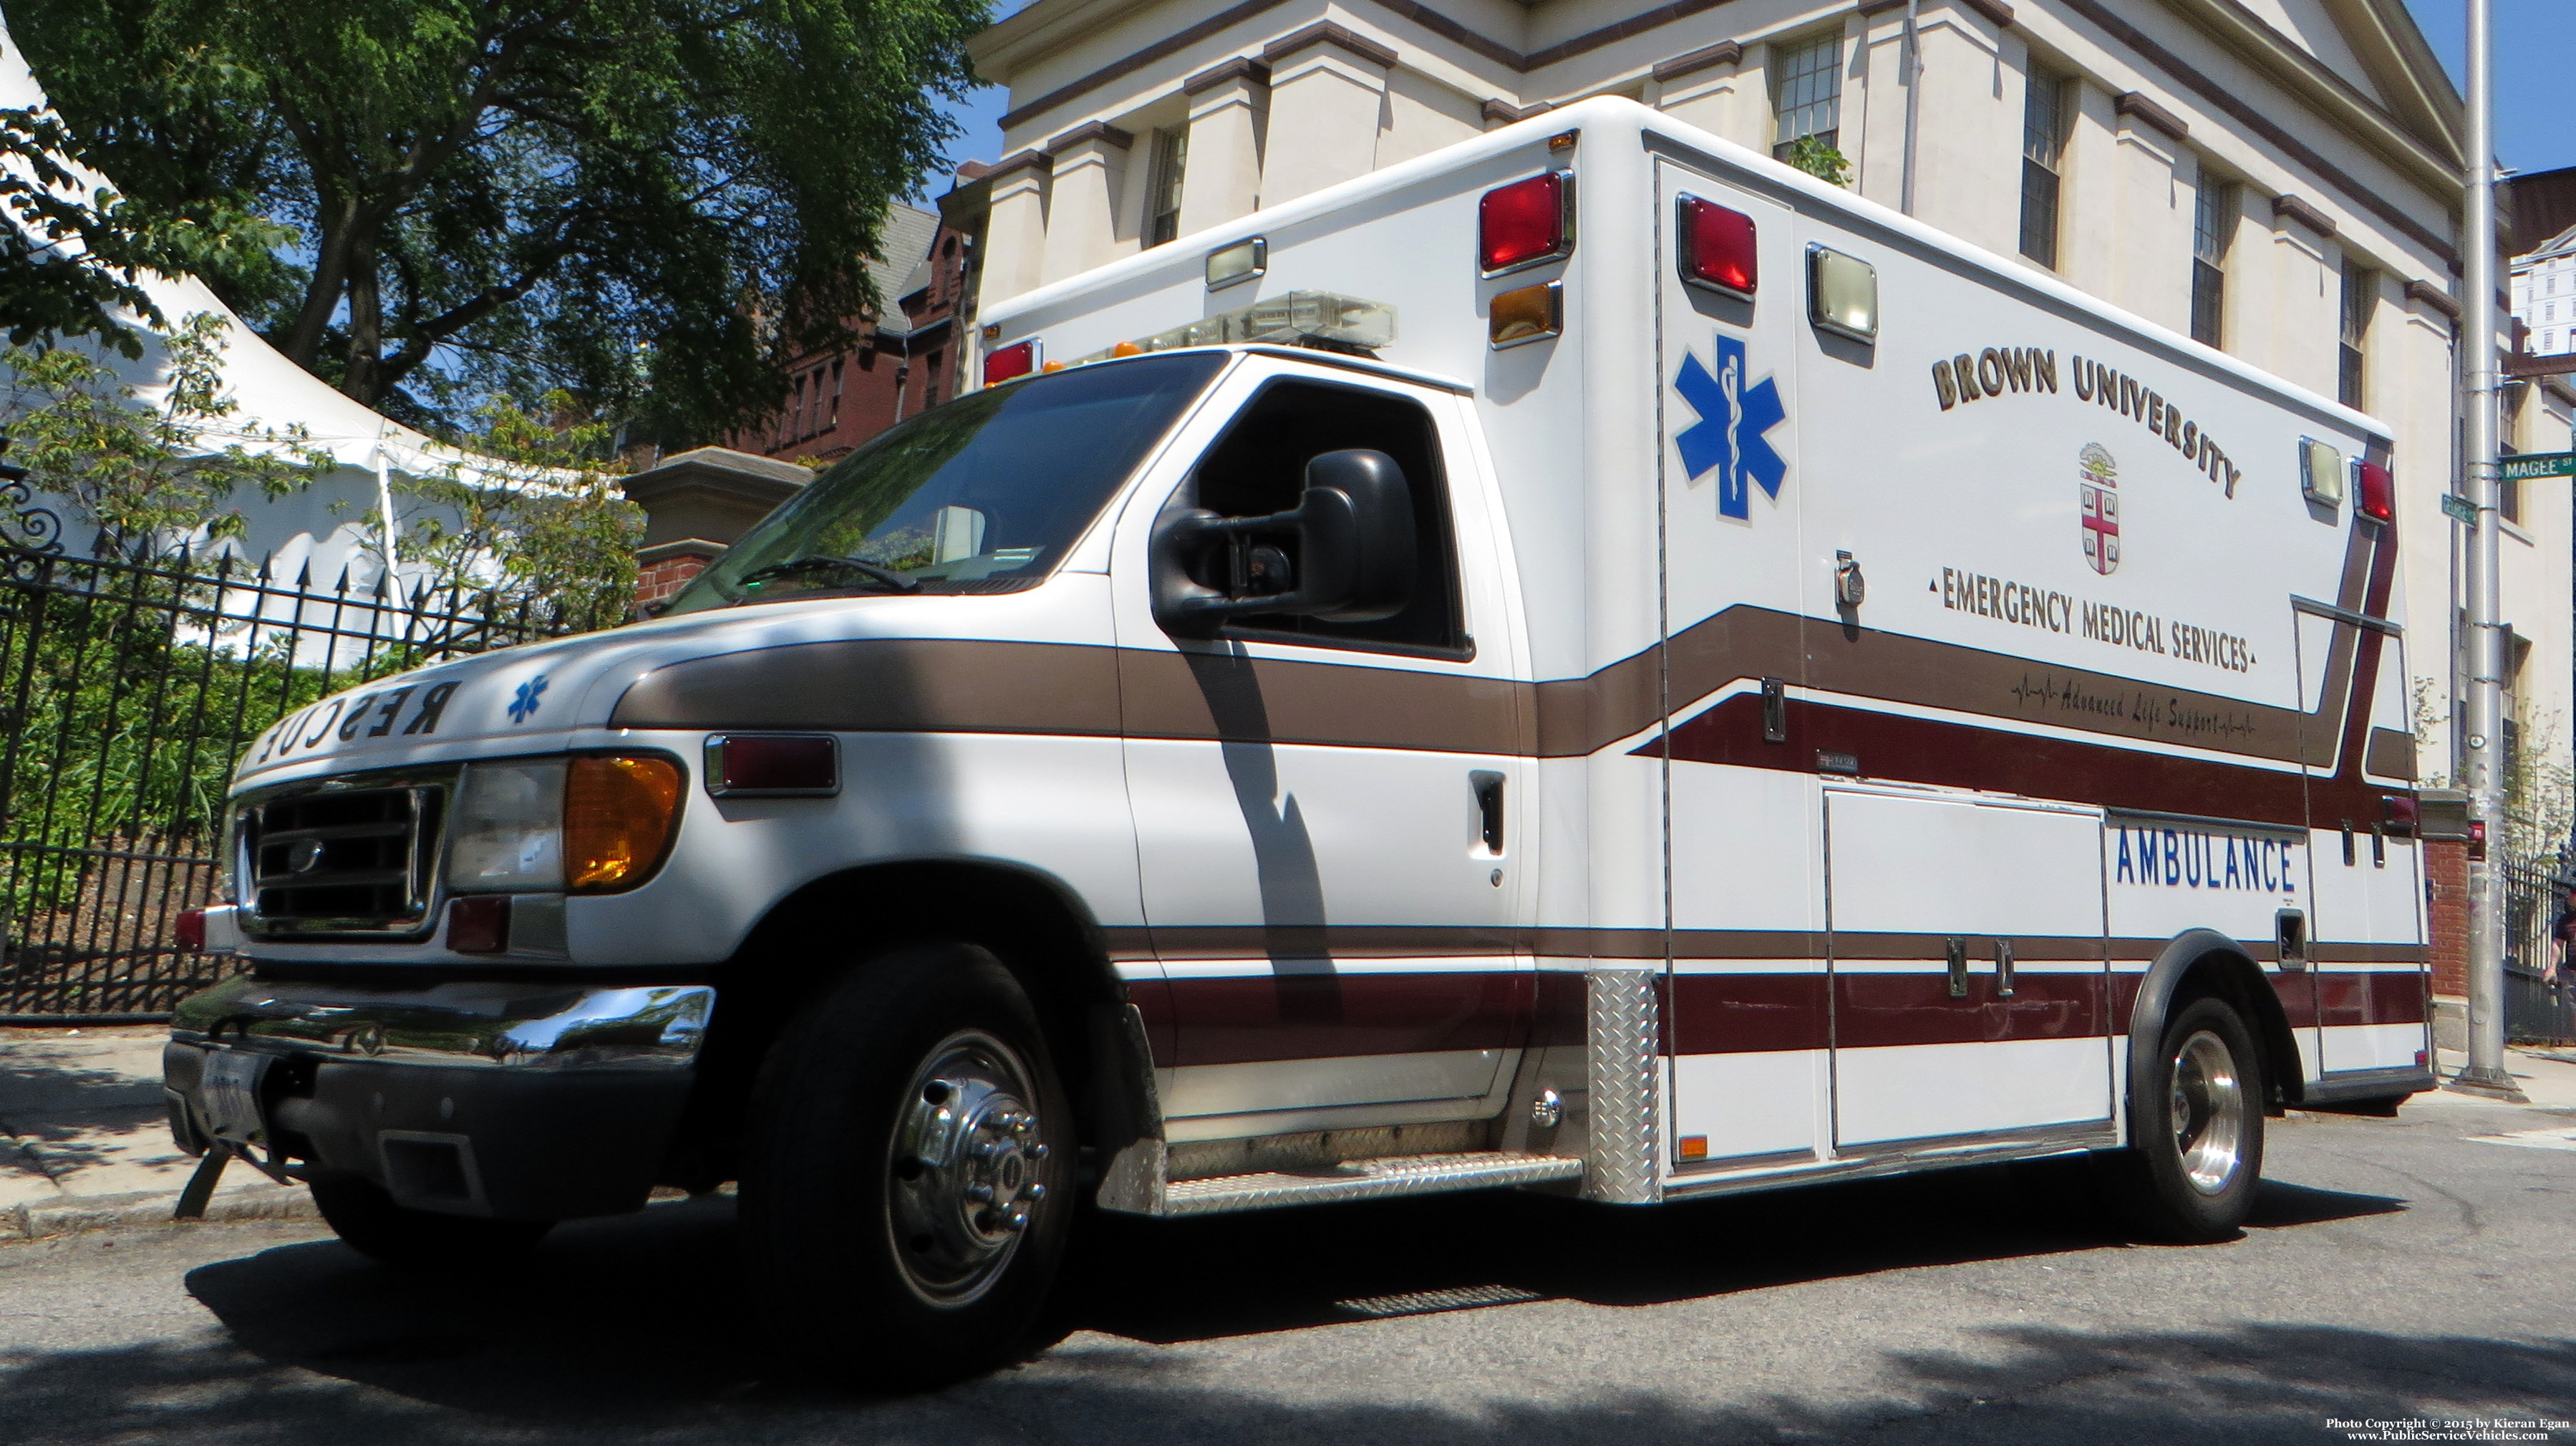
304,855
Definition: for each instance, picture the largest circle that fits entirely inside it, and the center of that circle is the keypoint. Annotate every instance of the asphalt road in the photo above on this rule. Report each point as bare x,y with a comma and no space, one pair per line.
2395,1269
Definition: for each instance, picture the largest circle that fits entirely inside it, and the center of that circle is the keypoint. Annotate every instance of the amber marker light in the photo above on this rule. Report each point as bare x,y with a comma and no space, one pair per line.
1526,314
619,814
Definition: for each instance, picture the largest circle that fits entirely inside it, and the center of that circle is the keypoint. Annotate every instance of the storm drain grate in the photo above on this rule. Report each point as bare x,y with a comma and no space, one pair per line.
1424,1302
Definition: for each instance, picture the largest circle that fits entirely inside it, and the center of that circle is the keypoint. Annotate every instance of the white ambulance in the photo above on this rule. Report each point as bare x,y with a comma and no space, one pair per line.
1587,661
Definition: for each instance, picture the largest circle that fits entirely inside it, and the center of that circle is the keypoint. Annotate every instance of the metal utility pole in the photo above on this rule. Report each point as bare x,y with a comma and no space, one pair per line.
1912,65
2485,1073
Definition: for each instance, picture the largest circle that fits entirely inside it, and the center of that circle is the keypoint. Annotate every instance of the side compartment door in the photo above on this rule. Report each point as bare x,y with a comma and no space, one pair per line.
1970,975
1329,814
2368,994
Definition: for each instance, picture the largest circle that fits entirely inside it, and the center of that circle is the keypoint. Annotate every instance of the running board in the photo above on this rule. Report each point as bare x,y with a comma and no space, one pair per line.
1364,1180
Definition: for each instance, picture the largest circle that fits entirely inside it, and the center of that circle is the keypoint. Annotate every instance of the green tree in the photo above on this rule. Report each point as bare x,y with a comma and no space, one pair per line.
653,203
1819,158
73,258
146,478
541,522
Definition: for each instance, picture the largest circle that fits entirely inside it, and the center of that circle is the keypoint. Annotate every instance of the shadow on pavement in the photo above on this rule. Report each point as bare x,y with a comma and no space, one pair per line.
56,1105
629,1328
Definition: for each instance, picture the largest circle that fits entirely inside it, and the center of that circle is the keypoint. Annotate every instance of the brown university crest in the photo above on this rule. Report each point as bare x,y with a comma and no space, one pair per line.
2100,489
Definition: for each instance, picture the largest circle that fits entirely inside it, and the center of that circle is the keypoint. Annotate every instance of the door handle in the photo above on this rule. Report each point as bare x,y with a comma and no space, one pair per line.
2003,969
1489,808
1958,949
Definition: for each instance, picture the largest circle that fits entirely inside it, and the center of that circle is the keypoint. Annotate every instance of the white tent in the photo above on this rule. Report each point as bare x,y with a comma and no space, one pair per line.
330,528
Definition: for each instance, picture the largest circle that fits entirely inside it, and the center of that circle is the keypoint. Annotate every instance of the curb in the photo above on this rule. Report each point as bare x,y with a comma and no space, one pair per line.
151,1207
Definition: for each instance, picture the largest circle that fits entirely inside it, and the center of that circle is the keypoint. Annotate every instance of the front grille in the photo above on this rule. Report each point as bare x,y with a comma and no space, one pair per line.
342,860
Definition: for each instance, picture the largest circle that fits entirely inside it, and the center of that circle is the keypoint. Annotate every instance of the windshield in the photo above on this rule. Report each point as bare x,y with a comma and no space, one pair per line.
981,495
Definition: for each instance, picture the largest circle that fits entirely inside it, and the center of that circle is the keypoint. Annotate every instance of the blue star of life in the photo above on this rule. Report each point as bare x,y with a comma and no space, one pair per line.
1728,436
524,706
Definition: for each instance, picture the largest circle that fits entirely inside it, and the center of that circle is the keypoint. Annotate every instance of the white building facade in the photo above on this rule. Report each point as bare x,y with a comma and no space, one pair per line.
2544,295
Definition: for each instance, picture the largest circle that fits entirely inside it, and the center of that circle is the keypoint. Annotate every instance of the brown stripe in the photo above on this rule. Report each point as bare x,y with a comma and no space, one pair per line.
1330,1016
2325,953
899,685
1201,695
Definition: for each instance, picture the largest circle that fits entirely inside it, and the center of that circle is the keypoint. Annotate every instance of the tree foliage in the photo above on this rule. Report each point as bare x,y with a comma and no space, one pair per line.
542,521
73,259
653,203
147,478
1821,159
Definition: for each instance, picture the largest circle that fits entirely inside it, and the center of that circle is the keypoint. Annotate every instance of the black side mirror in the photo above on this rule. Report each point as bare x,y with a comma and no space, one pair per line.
1345,554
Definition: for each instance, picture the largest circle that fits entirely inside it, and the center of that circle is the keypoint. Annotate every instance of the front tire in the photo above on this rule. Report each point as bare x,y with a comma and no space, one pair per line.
907,1190
368,1221
2196,1134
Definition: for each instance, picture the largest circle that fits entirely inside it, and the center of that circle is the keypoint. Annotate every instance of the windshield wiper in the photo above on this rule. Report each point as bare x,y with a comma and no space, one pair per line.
825,562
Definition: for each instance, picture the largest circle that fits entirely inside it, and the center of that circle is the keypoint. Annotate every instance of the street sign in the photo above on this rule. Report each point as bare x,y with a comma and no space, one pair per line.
2459,507
2539,464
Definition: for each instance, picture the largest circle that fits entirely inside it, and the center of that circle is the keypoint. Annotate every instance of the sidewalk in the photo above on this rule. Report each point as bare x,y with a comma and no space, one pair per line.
85,1138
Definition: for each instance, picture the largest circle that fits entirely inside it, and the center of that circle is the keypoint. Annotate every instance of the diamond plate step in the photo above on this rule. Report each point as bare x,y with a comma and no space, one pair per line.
1364,1180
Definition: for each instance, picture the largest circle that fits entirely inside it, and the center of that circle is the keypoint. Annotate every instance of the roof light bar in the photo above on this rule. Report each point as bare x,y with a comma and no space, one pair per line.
1301,318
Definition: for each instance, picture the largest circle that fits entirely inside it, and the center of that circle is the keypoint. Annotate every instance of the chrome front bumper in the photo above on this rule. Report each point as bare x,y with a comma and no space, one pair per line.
529,1101
475,1025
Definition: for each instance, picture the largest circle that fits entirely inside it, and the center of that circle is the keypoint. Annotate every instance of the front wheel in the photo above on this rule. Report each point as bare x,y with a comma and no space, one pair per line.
2196,1134
906,1197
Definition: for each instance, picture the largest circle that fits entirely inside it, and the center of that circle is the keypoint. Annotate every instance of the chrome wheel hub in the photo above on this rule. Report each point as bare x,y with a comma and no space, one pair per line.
2208,1112
962,1174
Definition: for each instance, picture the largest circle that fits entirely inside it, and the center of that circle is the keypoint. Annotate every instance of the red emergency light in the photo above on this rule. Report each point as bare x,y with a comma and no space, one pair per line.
1717,248
1525,223
189,931
1016,360
2378,492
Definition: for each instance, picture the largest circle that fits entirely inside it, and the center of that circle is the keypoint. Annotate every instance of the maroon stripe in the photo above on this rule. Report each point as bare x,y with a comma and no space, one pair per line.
1744,1013
2354,998
1961,755
1329,1016
1885,1009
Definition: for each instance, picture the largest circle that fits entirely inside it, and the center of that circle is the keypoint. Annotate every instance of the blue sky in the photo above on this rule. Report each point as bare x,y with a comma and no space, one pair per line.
2535,54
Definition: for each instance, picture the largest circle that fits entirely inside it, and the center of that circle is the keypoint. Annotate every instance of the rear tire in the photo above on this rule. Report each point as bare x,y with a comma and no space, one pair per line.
368,1221
2196,1134
907,1186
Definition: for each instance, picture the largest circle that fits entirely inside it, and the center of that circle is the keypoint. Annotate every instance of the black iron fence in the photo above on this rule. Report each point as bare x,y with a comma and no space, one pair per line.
126,694
2539,983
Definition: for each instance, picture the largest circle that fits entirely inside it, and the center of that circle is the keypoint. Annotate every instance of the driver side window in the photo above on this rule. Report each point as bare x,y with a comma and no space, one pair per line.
1259,467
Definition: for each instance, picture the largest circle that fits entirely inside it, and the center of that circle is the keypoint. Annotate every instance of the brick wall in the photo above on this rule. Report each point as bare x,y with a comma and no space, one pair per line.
2446,870
661,577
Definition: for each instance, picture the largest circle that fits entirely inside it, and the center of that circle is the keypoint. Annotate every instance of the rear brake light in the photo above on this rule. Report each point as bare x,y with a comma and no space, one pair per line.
1016,360
2378,489
1717,247
1525,223
189,931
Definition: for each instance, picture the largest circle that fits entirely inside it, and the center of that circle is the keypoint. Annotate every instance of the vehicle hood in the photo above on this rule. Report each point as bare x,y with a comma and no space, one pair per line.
544,697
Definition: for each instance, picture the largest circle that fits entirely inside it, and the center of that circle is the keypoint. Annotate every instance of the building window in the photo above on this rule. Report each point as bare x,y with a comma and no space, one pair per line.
2043,147
1807,93
835,423
2360,290
930,380
2213,223
1163,202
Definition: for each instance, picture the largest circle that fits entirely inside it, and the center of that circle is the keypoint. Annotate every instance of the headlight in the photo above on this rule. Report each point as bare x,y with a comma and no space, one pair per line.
594,824
508,831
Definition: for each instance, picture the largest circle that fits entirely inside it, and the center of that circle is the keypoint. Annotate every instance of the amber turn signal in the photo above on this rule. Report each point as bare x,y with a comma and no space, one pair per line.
619,814
1530,313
